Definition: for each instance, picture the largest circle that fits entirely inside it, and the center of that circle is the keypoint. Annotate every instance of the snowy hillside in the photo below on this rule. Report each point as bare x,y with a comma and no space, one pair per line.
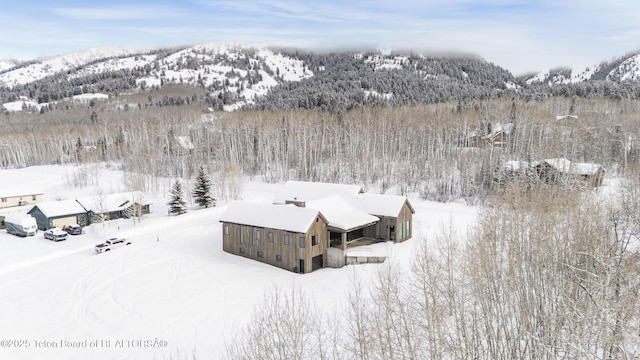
242,71
628,70
237,77
7,64
171,294
50,66
621,69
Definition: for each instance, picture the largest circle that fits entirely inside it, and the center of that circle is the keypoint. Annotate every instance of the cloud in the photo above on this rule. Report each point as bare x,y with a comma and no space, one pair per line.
125,12
520,35
324,12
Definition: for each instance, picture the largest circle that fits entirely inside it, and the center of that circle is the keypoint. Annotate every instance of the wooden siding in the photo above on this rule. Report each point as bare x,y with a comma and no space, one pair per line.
19,200
406,214
382,230
41,219
237,236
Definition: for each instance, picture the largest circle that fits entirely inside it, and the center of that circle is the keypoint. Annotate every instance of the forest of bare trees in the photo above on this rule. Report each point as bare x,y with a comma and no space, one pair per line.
412,149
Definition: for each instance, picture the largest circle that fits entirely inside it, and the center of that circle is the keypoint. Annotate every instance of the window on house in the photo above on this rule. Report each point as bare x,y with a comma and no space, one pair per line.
260,254
279,258
314,240
286,239
4,199
405,230
34,197
270,236
226,229
408,228
256,238
241,250
241,236
301,241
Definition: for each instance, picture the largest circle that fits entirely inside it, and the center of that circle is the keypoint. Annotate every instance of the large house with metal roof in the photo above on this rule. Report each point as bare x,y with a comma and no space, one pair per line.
309,224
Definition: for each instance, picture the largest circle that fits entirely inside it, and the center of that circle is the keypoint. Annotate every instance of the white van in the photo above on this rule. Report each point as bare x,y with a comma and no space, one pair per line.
21,225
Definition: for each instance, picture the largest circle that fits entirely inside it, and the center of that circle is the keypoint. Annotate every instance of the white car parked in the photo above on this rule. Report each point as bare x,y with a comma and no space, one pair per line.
55,234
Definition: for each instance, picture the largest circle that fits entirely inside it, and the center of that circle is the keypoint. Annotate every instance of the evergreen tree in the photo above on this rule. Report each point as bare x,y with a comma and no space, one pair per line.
177,204
202,190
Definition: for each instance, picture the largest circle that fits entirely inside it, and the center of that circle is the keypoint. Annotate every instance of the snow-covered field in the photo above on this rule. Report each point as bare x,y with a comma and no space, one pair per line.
172,294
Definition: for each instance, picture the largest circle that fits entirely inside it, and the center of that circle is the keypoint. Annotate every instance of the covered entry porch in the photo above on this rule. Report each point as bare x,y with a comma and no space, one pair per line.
343,239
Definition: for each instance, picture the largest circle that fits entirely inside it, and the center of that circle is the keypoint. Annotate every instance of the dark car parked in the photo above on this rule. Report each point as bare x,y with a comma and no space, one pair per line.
73,229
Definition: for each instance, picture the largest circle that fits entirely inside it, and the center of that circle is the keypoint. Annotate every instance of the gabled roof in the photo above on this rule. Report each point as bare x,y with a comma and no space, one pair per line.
560,164
563,117
18,191
381,205
59,208
114,202
515,165
565,166
585,168
281,217
308,191
341,214
185,142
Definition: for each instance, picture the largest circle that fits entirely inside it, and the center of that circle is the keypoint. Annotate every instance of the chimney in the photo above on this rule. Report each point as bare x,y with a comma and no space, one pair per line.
296,202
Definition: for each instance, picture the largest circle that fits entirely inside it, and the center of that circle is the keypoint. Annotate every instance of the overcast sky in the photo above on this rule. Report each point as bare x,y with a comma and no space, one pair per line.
521,36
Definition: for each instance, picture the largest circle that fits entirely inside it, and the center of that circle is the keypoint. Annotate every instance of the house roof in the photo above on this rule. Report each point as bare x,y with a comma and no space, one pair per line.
308,191
499,128
566,166
281,217
185,142
515,165
563,117
341,214
59,208
18,191
585,168
560,164
381,205
114,202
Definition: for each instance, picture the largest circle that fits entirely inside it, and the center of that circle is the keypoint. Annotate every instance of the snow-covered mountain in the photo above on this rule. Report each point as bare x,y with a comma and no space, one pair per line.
12,73
236,76
621,69
247,72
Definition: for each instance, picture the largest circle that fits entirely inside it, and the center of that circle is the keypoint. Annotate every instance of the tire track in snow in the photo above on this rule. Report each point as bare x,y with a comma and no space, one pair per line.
39,260
89,291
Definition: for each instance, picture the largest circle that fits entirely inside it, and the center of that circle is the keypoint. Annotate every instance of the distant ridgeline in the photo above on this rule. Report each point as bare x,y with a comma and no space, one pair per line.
244,77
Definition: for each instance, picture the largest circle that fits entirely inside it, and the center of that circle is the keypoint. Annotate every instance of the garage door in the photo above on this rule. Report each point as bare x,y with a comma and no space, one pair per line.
316,263
59,223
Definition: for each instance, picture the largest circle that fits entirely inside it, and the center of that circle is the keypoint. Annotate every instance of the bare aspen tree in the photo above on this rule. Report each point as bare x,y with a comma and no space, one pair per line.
284,326
358,326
